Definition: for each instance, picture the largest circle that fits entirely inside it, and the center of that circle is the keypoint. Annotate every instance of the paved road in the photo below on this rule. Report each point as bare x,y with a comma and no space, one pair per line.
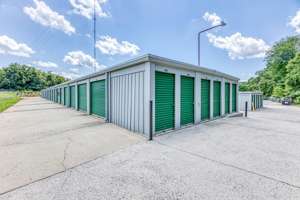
39,138
236,158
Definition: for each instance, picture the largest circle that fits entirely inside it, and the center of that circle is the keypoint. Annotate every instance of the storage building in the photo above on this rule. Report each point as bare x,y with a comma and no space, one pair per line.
151,94
254,100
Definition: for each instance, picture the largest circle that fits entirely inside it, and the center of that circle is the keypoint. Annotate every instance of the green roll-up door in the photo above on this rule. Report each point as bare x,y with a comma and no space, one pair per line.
58,95
82,101
205,99
187,100
61,96
252,101
227,98
65,96
164,101
72,99
217,99
98,98
233,97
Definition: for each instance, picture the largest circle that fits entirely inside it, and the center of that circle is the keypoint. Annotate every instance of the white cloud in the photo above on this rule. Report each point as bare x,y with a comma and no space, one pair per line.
74,70
295,22
45,16
111,46
45,64
10,46
86,8
240,47
79,58
212,18
69,75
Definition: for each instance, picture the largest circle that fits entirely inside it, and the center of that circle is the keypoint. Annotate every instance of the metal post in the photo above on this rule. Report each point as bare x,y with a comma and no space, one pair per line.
95,32
199,49
221,24
150,122
246,109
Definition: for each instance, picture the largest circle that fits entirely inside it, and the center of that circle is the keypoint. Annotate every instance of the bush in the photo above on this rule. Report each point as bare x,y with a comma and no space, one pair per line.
297,100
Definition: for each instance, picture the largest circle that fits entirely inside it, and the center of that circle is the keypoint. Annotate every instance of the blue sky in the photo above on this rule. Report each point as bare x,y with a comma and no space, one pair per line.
55,35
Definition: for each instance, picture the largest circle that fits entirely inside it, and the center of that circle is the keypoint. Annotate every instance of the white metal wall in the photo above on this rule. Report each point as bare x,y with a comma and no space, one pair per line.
127,101
243,98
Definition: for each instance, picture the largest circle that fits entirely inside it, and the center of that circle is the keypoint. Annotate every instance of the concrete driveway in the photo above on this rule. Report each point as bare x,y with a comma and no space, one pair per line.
236,158
39,138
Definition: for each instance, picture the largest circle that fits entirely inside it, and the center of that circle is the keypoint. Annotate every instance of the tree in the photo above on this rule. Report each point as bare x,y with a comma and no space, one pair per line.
278,91
22,77
292,81
277,78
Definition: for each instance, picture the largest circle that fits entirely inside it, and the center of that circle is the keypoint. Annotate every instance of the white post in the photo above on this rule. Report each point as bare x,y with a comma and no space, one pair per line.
108,97
197,101
230,97
211,99
63,95
147,82
223,97
88,97
177,100
237,97
76,97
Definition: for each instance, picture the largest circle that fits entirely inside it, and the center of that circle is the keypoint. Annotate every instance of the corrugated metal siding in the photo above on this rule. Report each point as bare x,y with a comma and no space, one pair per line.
127,101
217,99
98,98
187,100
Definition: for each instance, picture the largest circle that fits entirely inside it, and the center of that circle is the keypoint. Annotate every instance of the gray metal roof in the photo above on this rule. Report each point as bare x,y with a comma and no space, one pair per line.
251,92
157,60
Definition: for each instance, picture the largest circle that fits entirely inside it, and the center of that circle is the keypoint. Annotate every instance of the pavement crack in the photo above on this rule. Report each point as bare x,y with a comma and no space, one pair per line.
65,153
229,165
63,183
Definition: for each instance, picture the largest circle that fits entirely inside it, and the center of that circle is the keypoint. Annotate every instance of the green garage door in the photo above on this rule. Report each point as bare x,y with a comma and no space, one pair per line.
72,96
66,96
82,101
233,97
217,98
252,101
164,101
98,98
227,97
187,100
58,95
205,99
61,96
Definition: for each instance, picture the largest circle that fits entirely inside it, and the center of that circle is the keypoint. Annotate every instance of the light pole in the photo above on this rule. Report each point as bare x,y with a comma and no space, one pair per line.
221,24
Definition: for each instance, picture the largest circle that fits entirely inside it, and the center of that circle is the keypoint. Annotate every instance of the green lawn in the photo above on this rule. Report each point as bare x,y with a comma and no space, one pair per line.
8,99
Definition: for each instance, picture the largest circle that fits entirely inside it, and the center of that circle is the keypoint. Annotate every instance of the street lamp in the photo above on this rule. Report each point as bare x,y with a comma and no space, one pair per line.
221,24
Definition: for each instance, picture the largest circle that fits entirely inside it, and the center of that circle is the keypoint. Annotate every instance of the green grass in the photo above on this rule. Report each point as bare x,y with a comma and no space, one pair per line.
8,99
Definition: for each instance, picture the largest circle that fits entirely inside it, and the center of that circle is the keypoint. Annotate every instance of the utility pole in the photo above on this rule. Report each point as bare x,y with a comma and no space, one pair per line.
95,32
222,23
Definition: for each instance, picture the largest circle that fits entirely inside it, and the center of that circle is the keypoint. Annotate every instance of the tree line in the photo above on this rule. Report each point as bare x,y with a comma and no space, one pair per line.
23,77
281,76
